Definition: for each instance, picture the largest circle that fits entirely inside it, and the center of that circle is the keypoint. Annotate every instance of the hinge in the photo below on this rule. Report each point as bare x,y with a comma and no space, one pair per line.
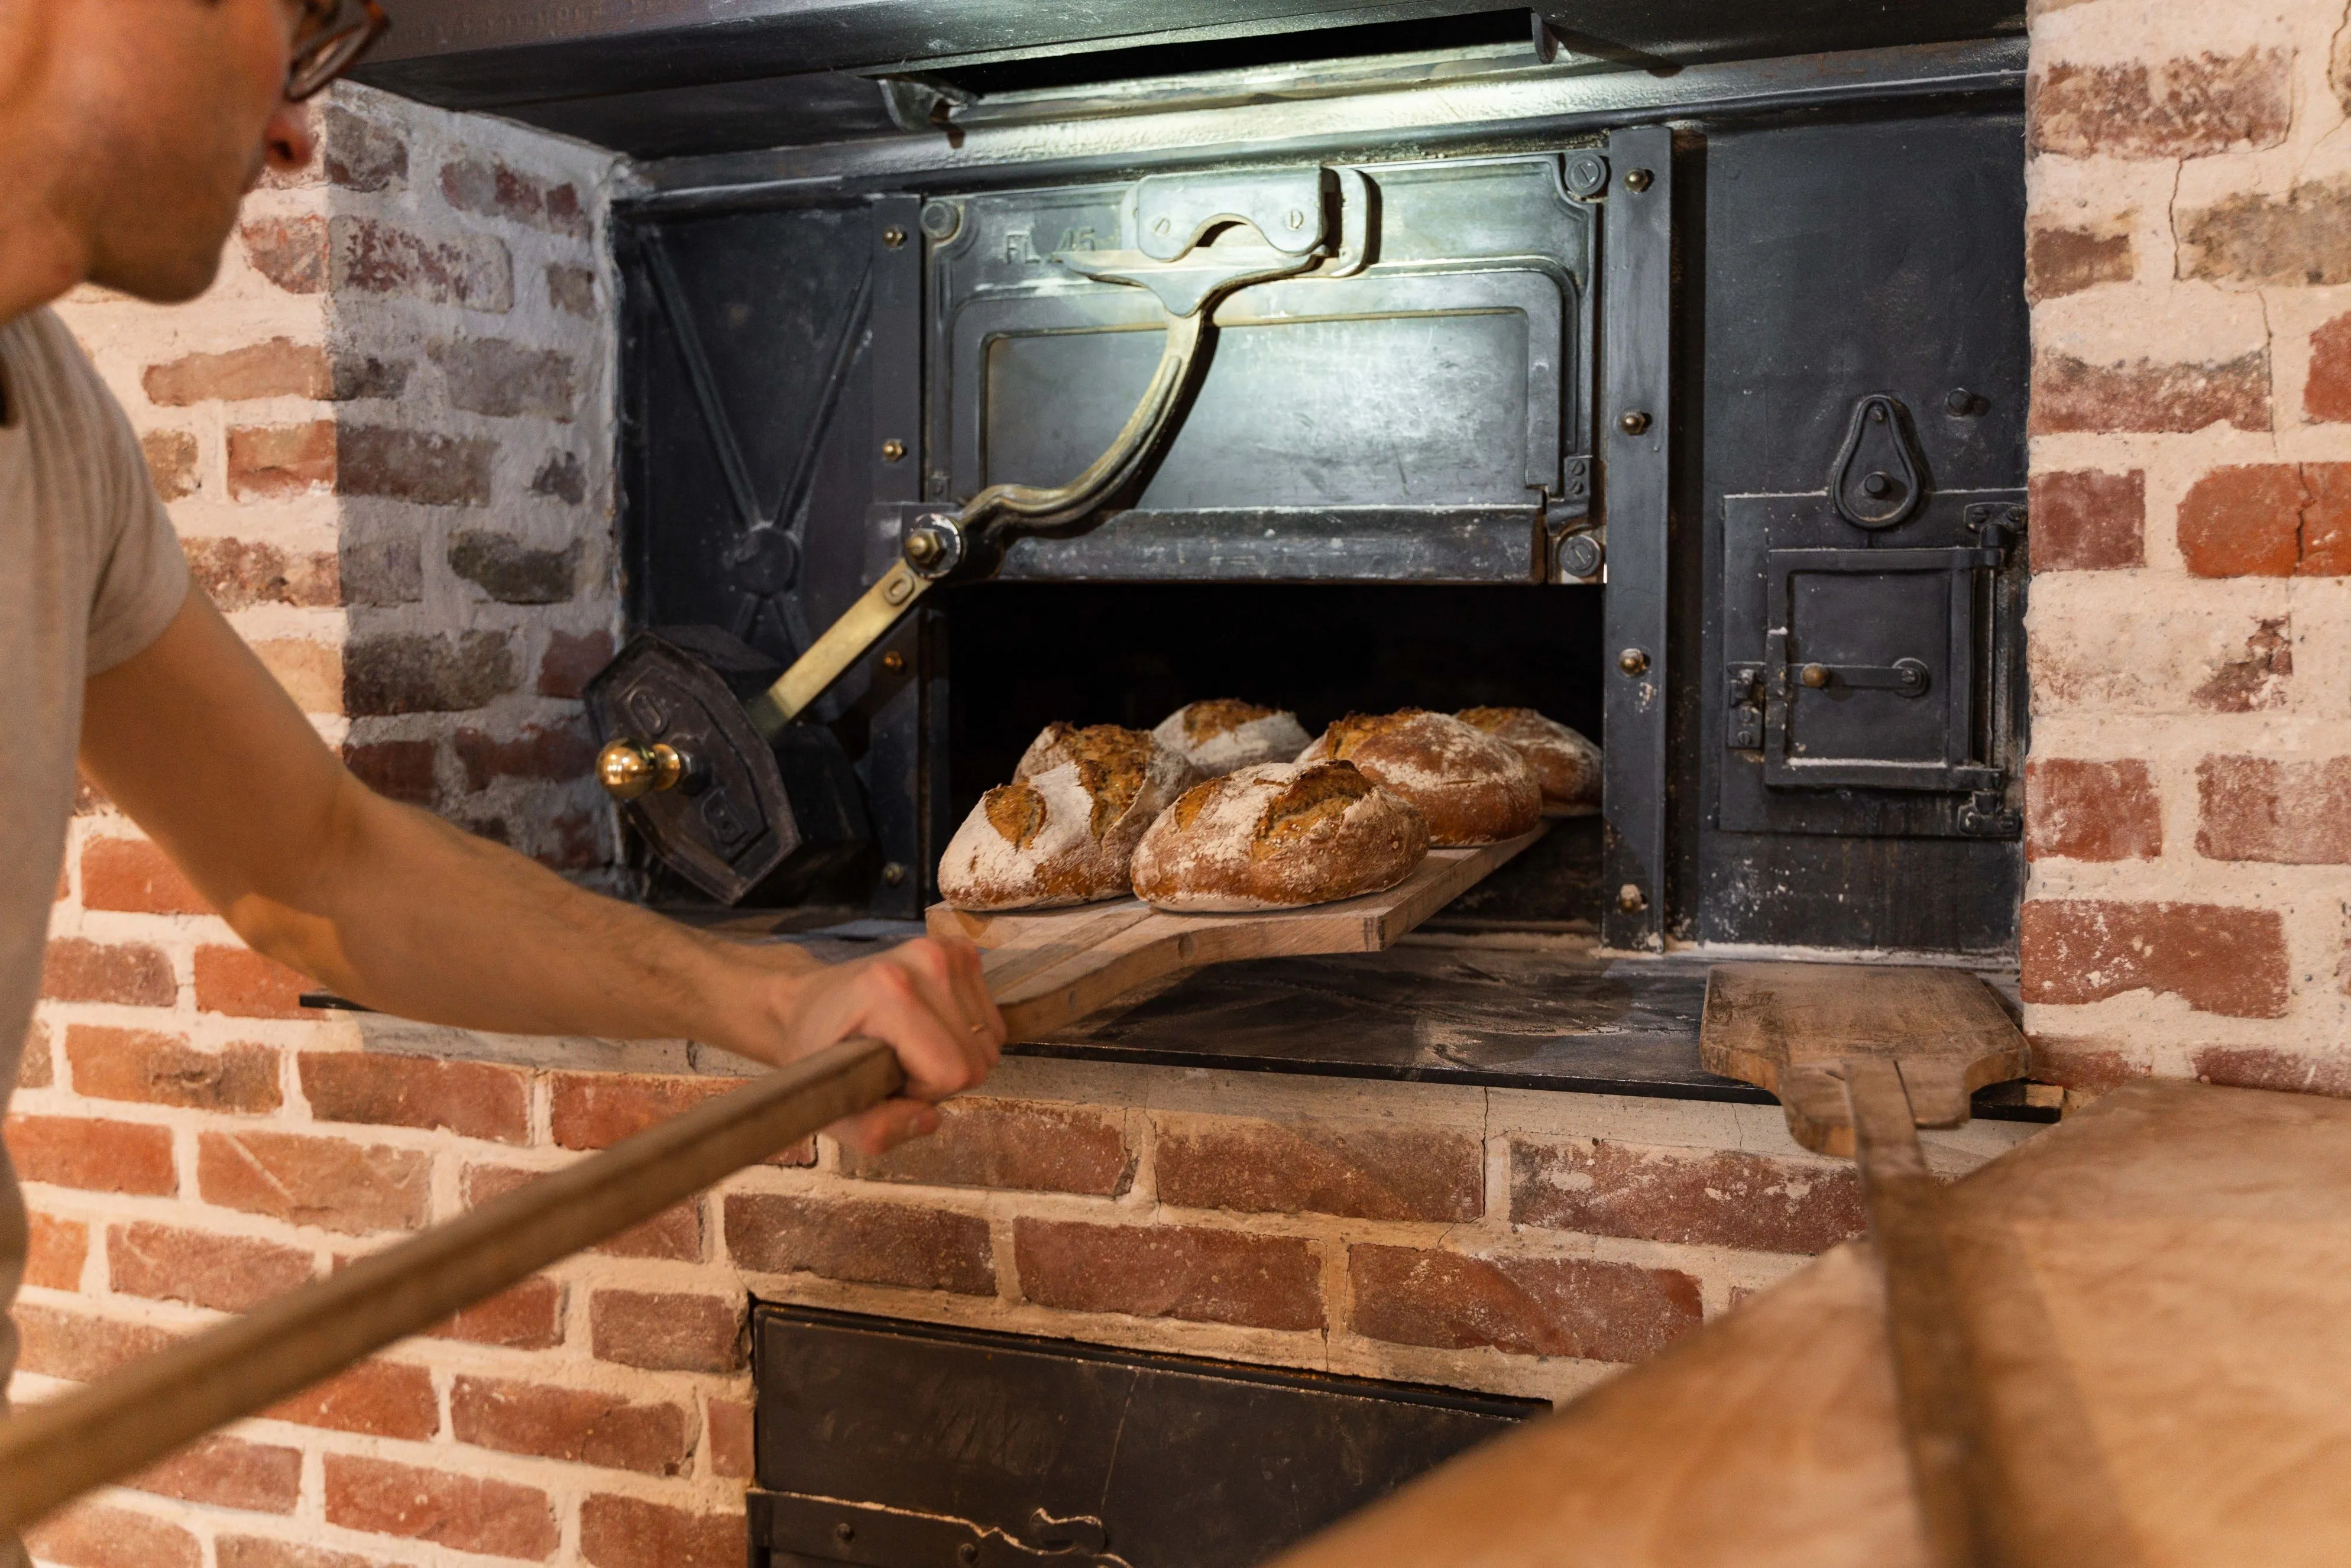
1744,691
1987,815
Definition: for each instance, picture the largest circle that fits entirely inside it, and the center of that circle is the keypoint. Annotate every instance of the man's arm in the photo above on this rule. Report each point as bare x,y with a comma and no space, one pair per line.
395,908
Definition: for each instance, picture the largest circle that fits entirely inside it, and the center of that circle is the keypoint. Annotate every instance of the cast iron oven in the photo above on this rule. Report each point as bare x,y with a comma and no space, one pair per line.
1642,364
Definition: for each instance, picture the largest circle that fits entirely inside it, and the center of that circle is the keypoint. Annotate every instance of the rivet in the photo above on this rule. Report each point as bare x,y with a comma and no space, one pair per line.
1814,675
967,1553
1959,400
894,237
1639,179
892,450
844,1532
895,875
894,662
1875,484
1633,661
1633,421
1631,899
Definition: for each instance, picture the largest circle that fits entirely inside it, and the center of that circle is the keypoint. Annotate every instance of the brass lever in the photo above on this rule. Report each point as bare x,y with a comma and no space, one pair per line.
629,768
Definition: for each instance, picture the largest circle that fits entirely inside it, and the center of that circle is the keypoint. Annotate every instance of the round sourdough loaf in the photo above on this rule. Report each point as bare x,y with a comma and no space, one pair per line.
1063,831
1275,835
1566,765
1224,733
1472,788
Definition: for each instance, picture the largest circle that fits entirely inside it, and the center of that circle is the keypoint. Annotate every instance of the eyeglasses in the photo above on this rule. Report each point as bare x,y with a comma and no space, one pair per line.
334,34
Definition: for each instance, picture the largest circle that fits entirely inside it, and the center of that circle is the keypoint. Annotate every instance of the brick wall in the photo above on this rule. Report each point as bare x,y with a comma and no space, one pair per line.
2189,791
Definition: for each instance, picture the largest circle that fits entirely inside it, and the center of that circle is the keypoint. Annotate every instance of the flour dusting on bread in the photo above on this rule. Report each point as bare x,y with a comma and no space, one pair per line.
1566,764
1472,788
1064,830
1221,733
1277,835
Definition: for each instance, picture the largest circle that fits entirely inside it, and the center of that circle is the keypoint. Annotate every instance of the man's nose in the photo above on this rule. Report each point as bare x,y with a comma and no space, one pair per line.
288,141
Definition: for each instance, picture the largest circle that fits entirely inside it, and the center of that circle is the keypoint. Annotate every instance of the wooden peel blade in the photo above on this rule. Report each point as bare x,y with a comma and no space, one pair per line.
52,1452
1860,1057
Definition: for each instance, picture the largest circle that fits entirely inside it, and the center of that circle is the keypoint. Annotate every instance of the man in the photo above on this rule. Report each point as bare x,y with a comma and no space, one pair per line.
130,130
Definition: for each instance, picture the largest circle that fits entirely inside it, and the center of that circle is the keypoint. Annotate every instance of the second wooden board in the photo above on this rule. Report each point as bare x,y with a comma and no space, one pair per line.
1047,967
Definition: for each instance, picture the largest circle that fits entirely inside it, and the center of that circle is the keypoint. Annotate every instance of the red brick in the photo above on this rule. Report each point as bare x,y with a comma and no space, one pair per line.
35,1066
397,769
1365,1172
1028,1146
381,1398
529,1316
565,669
203,1267
2172,109
667,1331
245,984
238,573
326,1182
562,474
2327,395
2091,810
464,1513
2269,519
227,1472
290,252
2089,1063
100,1156
2256,239
674,1233
76,969
158,1068
2088,521
2295,1072
277,368
504,378
133,874
54,1251
1717,1197
1170,1272
472,1099
1524,1306
261,1552
561,752
360,154
728,1421
79,1346
2287,813
575,1423
597,1110
367,256
625,1532
419,672
414,466
2071,395
269,462
91,1535
171,456
571,290
2218,958
492,190
2255,679
872,1243
2059,261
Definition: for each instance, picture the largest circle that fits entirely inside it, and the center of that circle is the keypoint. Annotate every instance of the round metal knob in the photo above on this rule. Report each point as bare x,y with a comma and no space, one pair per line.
1814,675
1633,661
629,768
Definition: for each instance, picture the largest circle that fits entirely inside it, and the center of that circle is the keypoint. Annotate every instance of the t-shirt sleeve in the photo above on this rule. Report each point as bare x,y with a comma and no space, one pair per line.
142,576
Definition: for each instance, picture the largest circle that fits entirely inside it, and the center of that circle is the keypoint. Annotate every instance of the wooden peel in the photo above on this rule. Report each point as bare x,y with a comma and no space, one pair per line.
1045,970
1860,1057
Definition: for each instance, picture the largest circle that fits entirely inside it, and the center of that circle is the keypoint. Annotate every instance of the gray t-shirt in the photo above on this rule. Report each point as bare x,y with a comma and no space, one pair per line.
91,573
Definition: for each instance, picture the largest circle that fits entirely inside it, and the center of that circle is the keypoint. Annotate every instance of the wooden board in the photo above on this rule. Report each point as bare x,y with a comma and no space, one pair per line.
1786,1026
1050,967
2158,1294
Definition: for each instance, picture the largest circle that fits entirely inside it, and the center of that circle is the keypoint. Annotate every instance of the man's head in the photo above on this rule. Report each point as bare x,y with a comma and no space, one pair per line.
176,108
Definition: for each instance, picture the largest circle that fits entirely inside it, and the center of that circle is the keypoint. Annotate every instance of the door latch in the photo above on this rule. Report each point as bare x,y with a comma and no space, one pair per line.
1745,730
1904,677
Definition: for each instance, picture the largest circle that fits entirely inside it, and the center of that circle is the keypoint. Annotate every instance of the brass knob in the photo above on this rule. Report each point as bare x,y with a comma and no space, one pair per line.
1816,676
1633,661
628,768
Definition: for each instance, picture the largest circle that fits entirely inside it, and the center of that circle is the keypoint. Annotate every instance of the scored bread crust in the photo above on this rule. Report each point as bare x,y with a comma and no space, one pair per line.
1472,788
1277,835
1063,831
1566,764
1224,733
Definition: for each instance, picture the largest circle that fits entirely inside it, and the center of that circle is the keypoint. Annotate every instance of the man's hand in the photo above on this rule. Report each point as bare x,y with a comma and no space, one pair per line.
925,999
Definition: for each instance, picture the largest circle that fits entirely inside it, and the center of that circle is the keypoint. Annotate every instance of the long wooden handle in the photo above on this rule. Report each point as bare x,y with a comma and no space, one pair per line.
54,1451
1942,1424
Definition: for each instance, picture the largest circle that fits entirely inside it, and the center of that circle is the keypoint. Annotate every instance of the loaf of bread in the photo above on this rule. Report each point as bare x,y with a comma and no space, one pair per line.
1275,835
1472,788
1224,733
1064,830
1566,765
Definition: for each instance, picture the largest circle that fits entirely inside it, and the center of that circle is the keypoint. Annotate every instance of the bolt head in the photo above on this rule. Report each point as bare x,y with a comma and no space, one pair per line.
894,237
1639,179
895,875
894,662
1634,661
1633,421
893,449
1631,899
923,547
1875,484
